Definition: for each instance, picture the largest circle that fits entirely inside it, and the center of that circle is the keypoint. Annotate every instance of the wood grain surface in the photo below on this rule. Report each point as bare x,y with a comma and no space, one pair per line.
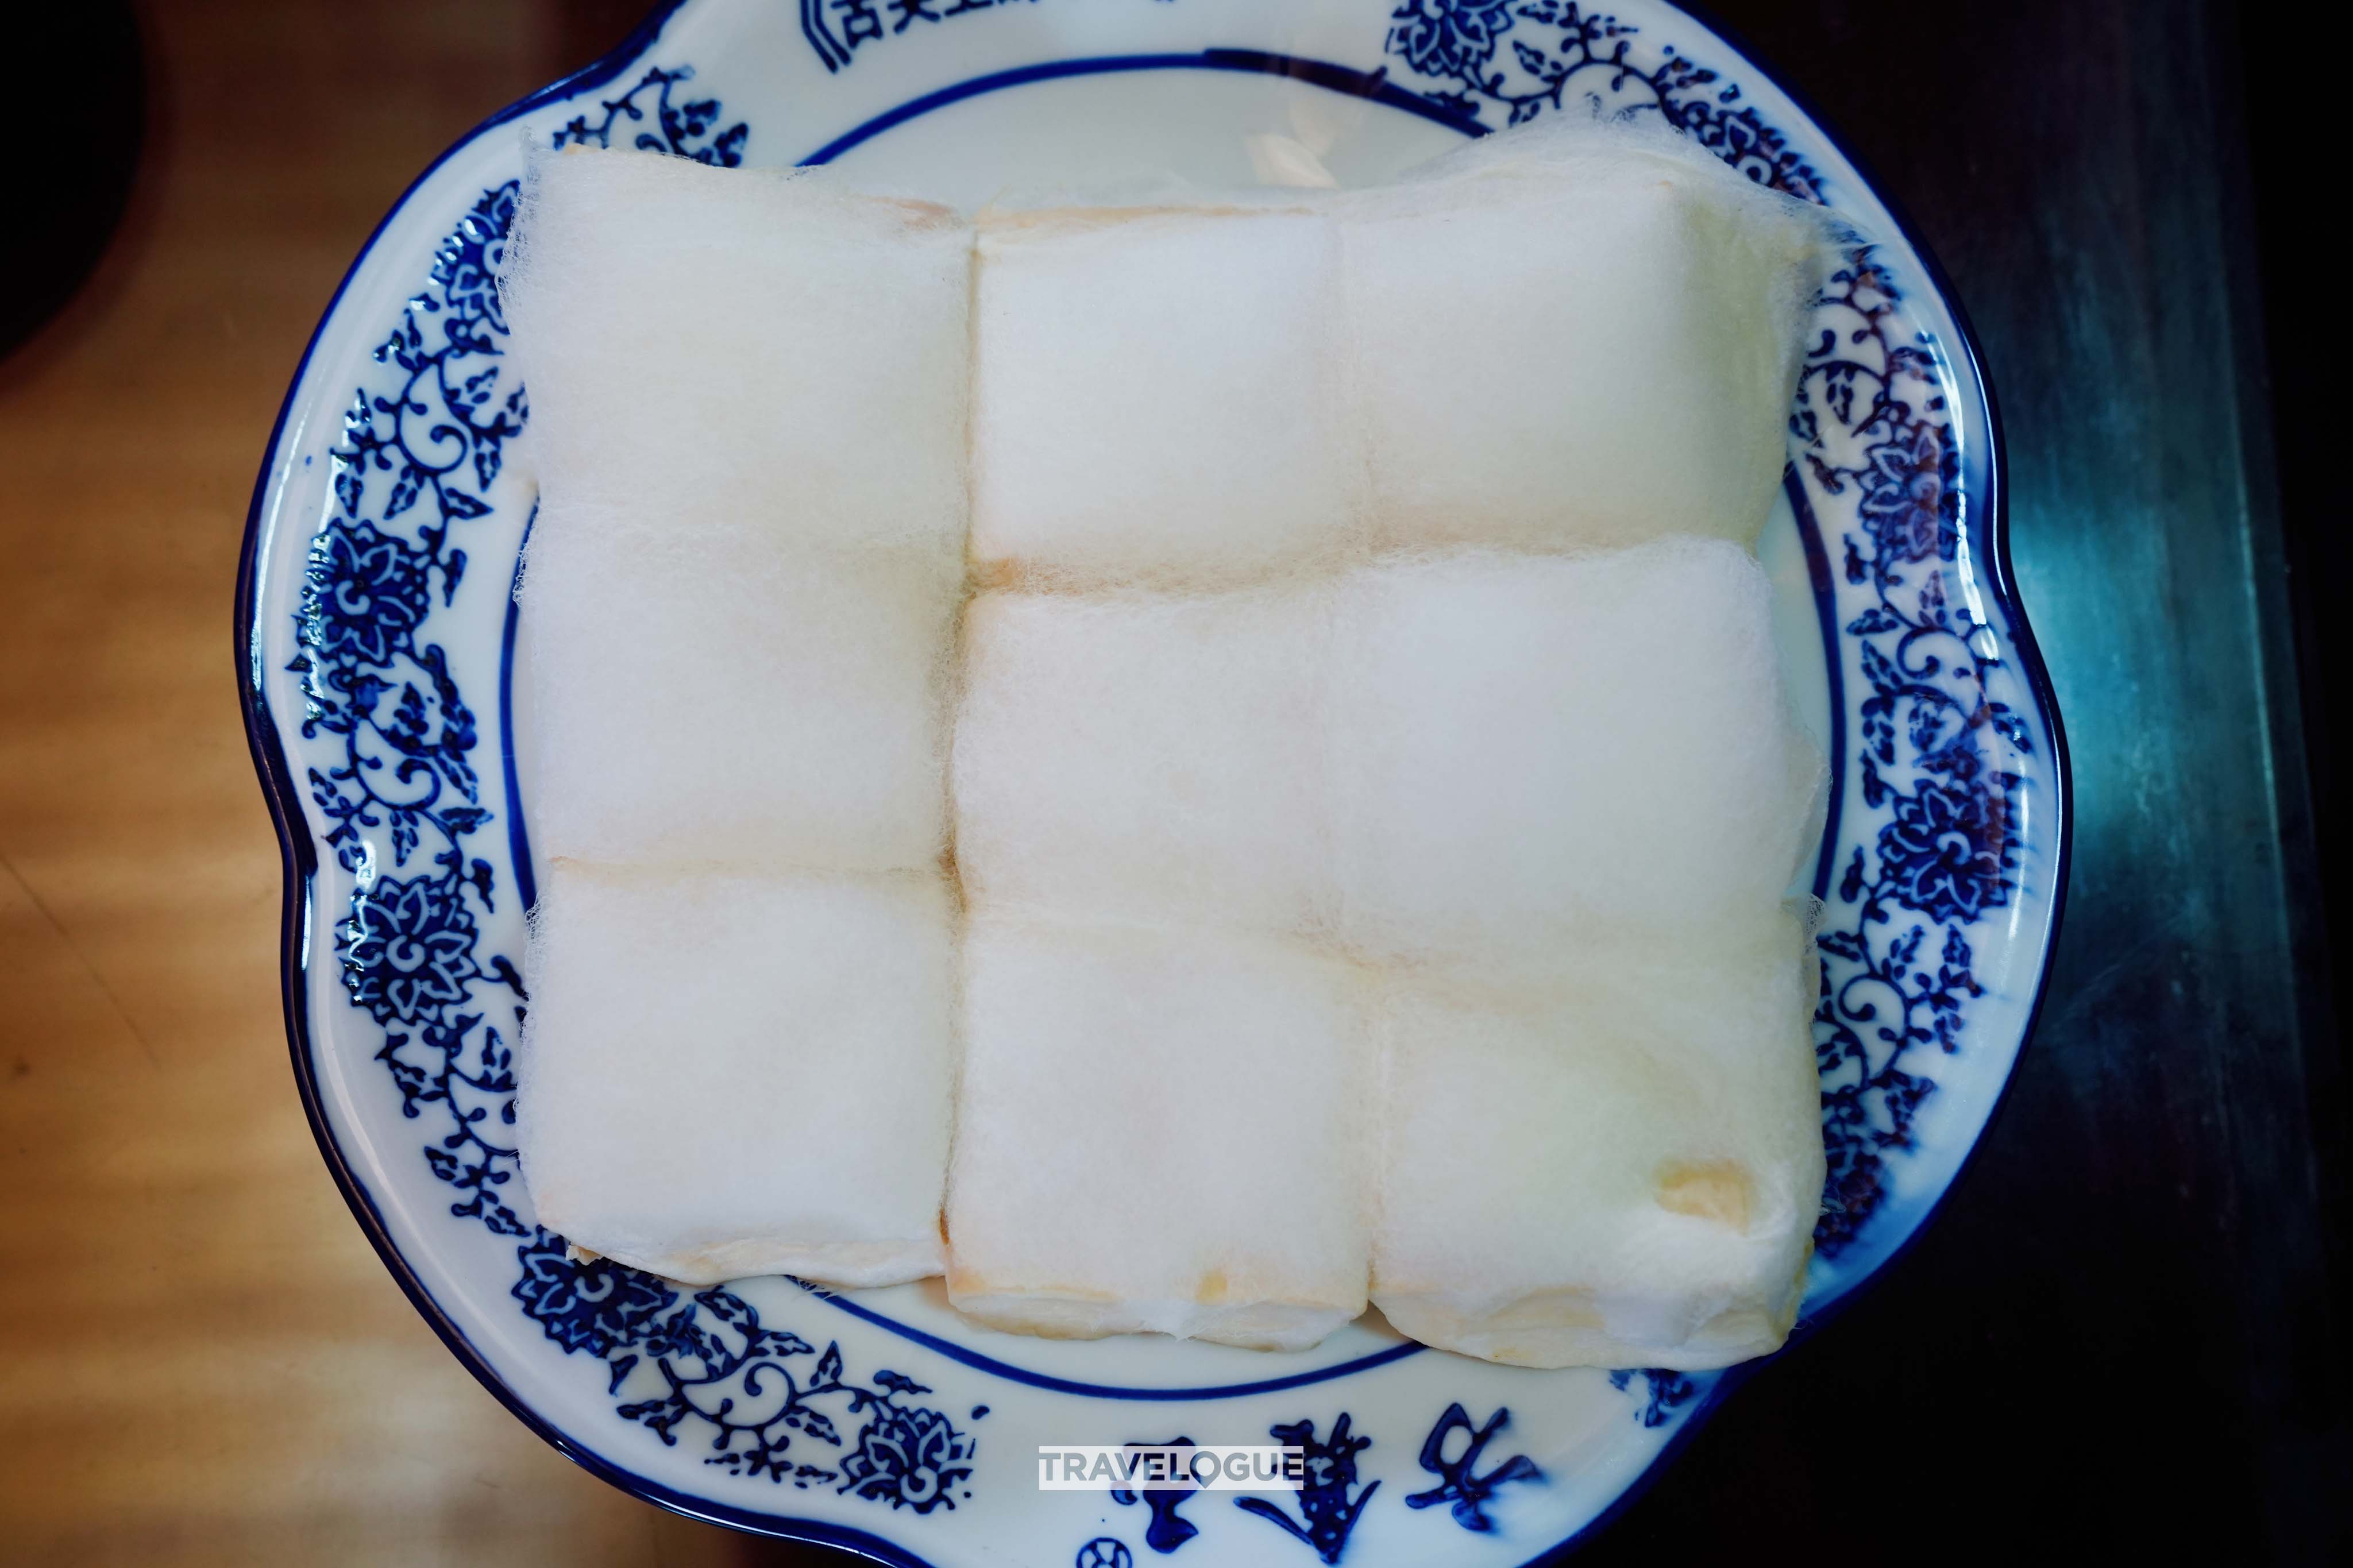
2124,1336
201,1360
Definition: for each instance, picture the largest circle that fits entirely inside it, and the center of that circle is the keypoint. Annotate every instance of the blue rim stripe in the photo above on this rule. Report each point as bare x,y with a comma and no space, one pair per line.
1012,1374
1373,85
1818,576
518,830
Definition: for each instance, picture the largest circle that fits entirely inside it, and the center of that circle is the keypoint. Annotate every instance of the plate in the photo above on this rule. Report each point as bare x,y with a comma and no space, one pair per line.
375,632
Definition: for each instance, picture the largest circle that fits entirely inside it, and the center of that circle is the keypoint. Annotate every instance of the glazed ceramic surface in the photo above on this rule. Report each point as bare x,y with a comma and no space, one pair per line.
376,636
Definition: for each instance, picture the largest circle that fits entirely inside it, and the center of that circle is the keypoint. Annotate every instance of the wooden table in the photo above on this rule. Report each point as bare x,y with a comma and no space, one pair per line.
201,1361
2122,1336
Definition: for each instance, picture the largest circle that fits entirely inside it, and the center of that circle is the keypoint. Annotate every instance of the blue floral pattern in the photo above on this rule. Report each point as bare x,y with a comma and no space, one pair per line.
908,1456
713,1366
409,948
364,594
1561,53
1451,38
1873,437
596,1306
421,448
1937,756
1911,496
688,130
1946,854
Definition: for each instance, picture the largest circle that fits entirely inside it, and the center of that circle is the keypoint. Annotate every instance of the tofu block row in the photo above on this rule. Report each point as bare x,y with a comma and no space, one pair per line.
1564,343
1465,757
1330,835
1605,1160
1553,341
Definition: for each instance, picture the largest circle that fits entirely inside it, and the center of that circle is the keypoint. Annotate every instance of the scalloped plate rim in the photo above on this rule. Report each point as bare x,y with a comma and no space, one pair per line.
299,863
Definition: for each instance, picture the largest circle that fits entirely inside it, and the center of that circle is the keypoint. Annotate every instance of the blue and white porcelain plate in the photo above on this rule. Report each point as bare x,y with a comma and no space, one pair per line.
374,637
